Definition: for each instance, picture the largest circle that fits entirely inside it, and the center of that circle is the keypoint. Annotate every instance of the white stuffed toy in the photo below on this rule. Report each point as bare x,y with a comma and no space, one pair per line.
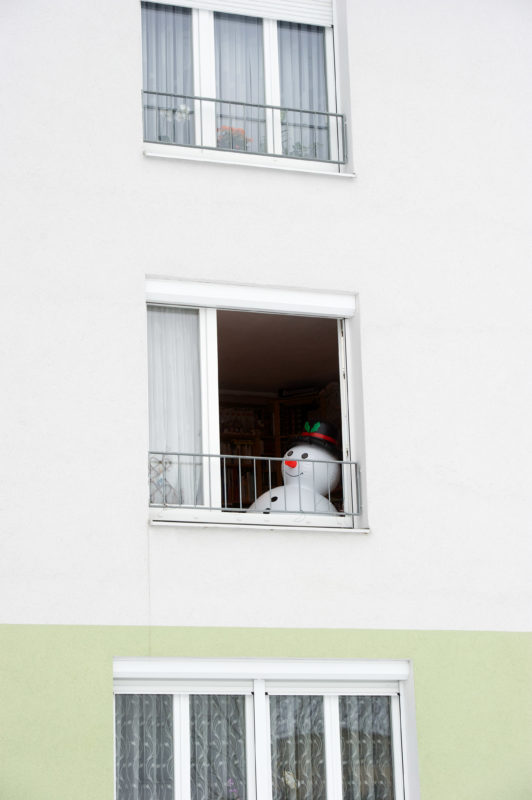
310,473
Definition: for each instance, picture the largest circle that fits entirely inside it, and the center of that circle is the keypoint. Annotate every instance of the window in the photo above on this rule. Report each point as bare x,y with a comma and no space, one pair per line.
252,416
189,729
243,83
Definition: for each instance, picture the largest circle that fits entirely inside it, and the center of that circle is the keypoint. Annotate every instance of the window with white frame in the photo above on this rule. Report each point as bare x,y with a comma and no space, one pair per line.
251,407
260,81
189,729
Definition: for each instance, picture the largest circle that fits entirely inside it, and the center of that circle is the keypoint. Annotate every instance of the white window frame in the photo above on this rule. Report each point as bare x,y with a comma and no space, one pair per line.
207,298
255,679
204,75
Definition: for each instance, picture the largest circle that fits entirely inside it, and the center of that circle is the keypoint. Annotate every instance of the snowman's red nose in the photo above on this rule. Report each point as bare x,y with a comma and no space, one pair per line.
291,464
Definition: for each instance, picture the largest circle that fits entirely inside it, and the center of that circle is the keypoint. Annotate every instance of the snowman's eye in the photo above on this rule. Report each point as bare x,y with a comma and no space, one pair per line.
304,455
289,452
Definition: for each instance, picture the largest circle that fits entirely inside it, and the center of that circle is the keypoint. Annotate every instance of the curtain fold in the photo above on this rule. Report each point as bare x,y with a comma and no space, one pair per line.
174,406
366,746
144,747
217,747
168,69
239,54
297,748
303,86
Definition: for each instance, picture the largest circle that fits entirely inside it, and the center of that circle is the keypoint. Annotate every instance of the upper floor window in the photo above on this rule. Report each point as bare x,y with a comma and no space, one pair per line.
240,83
249,408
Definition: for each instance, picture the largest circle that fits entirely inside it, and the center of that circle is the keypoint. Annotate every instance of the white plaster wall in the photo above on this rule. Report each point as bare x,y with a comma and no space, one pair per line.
434,234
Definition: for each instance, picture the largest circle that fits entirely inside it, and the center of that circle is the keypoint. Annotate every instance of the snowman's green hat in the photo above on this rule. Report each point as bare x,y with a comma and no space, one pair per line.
320,434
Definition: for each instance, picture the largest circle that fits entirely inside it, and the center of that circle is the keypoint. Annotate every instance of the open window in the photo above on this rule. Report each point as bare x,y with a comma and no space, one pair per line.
276,373
249,415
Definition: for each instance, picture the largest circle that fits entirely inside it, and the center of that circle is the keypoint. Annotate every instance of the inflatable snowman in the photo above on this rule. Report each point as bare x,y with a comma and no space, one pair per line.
310,473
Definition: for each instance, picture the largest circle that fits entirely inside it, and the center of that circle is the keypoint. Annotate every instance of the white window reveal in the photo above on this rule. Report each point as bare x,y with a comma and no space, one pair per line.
248,78
253,410
265,732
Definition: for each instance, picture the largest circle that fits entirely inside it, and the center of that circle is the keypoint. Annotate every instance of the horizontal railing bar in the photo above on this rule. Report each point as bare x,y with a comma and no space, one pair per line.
239,510
246,458
240,103
249,152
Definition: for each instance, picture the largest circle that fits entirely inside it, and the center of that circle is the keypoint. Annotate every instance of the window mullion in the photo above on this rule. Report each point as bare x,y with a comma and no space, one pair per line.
115,784
196,72
348,470
207,77
263,764
336,144
272,88
210,415
251,792
353,405
181,734
397,748
333,759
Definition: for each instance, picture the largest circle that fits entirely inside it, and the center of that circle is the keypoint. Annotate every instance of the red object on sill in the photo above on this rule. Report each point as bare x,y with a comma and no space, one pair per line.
232,138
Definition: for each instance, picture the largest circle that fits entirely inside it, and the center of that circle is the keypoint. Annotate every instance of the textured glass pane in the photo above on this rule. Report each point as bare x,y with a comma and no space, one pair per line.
367,767
298,748
303,86
144,747
240,124
217,747
168,74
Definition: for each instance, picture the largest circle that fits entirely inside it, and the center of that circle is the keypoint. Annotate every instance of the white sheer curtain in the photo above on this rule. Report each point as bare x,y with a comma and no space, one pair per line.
168,74
303,85
217,747
175,406
239,77
366,742
144,747
297,748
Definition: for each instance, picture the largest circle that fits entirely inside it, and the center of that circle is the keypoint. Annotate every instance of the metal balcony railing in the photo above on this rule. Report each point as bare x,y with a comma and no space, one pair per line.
218,124
218,482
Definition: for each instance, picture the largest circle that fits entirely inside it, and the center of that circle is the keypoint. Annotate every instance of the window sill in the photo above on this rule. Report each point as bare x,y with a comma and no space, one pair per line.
245,160
171,517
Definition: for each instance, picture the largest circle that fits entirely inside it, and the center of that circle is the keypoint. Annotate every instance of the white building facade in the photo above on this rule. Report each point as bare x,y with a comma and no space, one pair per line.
219,217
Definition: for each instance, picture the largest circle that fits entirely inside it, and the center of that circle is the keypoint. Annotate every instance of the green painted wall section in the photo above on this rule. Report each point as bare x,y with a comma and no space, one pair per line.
473,699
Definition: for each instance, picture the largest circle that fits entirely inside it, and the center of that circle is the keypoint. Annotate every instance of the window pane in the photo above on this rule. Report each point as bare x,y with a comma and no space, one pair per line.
175,406
367,766
298,748
304,86
240,78
144,747
217,747
168,74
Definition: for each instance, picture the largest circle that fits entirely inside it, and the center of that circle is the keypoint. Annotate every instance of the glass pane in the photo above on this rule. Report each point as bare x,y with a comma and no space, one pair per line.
240,124
303,86
367,766
298,748
217,747
168,74
175,406
144,747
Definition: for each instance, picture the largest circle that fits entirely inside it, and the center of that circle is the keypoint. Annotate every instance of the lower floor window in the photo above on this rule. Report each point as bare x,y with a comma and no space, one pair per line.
265,741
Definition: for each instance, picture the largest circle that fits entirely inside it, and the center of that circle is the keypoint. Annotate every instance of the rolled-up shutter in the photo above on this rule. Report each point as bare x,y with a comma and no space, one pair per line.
311,12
